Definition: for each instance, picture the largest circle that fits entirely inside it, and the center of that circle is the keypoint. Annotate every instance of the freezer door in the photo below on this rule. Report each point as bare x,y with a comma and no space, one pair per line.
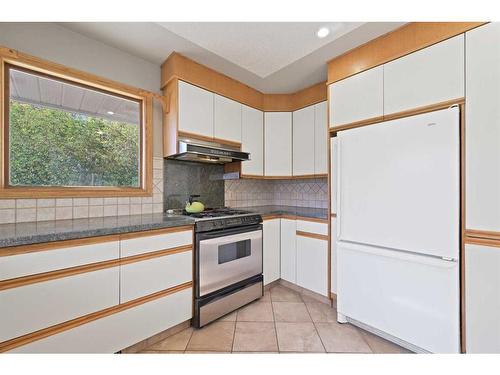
399,184
412,297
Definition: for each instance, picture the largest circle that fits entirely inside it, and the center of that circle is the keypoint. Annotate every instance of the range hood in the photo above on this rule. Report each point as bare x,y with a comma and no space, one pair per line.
207,152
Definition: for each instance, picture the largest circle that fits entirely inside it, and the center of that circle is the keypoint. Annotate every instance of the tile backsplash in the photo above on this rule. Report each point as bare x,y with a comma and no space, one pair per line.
23,210
303,193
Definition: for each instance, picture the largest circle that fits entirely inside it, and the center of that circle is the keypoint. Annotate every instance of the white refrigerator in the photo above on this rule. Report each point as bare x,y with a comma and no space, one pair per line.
398,227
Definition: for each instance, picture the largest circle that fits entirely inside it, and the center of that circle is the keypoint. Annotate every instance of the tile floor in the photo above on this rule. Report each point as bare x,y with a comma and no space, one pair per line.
282,321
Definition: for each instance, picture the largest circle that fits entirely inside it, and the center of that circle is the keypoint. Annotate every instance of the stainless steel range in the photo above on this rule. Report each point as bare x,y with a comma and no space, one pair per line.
228,262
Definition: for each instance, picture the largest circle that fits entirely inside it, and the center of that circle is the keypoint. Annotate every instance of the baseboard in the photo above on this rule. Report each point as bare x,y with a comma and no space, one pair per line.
141,345
304,291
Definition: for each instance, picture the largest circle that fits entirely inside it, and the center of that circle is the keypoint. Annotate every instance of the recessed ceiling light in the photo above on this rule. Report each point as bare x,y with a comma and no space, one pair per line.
323,32
111,113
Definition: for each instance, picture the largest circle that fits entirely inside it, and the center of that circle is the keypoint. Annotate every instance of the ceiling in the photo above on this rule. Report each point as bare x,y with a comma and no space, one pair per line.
272,57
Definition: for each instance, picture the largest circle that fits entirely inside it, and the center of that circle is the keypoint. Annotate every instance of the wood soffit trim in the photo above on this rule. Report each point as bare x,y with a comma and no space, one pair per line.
53,330
177,66
407,39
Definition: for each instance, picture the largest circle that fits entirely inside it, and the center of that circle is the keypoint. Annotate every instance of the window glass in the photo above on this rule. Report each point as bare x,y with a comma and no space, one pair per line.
65,134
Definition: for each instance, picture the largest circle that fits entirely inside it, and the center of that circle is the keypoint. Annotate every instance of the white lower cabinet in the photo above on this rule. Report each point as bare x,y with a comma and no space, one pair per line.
312,264
333,256
118,331
482,299
288,250
32,307
149,276
271,250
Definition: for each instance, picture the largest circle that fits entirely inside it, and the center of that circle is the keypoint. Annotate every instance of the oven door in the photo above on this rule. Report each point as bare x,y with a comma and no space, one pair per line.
226,257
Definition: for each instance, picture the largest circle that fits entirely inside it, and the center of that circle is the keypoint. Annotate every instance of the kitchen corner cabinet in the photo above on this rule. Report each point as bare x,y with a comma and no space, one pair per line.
357,98
320,138
312,256
196,110
278,143
271,250
303,141
482,122
288,250
227,119
431,75
252,140
482,298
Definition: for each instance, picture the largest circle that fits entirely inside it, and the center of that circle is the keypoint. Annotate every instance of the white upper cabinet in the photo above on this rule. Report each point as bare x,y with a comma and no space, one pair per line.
303,141
196,110
227,119
278,143
252,140
320,139
482,121
333,174
431,75
356,98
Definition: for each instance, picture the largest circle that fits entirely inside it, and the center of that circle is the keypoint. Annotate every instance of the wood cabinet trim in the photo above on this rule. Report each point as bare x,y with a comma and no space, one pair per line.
482,241
483,234
156,232
398,115
293,217
53,330
45,246
91,267
312,235
400,42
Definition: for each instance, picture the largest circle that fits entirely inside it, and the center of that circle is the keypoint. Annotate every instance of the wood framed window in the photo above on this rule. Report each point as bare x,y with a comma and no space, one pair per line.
68,133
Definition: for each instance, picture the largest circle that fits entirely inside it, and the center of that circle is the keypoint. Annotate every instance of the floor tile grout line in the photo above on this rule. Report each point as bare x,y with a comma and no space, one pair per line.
274,322
315,328
189,341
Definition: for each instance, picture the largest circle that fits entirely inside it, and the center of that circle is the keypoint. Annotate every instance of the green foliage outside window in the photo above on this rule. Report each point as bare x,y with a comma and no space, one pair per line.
50,147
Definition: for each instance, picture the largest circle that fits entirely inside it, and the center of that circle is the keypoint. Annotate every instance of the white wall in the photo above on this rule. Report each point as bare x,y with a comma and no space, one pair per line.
58,44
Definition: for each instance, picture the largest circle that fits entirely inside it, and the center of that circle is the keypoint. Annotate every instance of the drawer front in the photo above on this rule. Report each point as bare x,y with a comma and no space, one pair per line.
141,245
19,265
32,307
152,275
120,330
312,227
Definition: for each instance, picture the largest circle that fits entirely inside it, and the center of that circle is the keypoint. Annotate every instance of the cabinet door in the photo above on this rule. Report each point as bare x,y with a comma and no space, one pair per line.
320,139
482,121
482,299
288,251
271,250
278,143
120,330
32,307
431,75
227,119
303,141
252,140
312,264
333,255
356,98
333,174
196,110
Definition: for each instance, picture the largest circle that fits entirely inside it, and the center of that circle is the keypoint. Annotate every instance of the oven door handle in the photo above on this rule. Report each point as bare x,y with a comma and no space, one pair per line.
228,232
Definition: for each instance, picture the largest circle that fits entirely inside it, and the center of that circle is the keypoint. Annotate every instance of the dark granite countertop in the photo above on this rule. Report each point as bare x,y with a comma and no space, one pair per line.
57,230
311,212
